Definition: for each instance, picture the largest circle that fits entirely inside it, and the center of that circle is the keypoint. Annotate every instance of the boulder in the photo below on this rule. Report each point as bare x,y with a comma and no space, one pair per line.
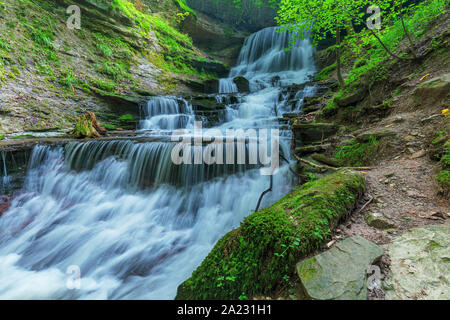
242,84
339,273
420,264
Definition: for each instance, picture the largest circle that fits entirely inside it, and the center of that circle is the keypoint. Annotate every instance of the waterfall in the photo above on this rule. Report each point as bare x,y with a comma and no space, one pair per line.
265,60
227,85
167,113
5,177
134,223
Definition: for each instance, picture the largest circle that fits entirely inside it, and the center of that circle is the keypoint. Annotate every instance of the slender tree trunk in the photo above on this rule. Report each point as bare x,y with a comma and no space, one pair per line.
384,46
411,44
338,57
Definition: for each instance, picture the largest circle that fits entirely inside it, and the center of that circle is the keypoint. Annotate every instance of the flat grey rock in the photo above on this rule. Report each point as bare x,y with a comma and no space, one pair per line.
339,273
420,265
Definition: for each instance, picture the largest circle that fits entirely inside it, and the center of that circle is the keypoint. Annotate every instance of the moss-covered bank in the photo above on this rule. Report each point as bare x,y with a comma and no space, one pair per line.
253,258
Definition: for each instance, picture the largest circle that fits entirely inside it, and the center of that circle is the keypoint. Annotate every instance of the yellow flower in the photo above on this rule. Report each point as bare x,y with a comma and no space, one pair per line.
363,172
446,112
424,77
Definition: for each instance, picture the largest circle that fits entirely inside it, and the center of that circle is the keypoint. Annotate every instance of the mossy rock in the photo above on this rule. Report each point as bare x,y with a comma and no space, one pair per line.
254,257
242,84
378,221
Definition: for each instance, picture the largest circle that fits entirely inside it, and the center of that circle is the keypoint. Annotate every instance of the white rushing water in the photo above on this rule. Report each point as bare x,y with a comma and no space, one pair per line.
133,223
167,113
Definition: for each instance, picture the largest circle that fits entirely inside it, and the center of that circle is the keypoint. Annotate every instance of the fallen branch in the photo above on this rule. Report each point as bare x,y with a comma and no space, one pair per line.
264,193
365,205
325,167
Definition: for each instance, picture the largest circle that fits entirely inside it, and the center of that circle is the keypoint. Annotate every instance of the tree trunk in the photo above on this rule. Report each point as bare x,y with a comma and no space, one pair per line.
411,44
338,57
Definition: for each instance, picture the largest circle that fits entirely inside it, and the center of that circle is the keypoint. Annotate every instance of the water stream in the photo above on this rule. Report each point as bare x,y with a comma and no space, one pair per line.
123,214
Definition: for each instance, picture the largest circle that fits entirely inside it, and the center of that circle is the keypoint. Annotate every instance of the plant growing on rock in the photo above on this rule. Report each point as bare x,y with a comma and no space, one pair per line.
87,126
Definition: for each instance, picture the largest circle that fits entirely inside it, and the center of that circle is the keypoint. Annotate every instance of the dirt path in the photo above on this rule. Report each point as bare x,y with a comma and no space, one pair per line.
403,194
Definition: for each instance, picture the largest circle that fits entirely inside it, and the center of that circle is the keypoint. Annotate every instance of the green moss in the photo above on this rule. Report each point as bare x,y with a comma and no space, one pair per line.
109,127
356,153
325,72
126,118
255,257
184,6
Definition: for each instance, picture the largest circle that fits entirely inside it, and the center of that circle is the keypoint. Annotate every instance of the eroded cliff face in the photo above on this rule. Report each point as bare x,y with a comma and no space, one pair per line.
50,73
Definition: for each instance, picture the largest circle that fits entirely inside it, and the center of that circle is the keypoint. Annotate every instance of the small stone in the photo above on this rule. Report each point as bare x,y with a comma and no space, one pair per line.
418,154
377,221
390,174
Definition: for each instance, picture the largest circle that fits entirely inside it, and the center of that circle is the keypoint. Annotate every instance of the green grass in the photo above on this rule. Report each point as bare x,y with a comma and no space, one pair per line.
357,153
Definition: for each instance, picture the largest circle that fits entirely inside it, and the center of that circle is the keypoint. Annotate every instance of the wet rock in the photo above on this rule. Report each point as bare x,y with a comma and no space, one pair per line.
420,260
311,149
242,84
307,133
211,86
378,221
339,273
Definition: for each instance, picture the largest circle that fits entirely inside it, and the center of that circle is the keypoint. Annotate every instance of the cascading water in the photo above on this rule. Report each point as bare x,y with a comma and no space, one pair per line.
132,222
265,61
5,178
227,85
167,113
